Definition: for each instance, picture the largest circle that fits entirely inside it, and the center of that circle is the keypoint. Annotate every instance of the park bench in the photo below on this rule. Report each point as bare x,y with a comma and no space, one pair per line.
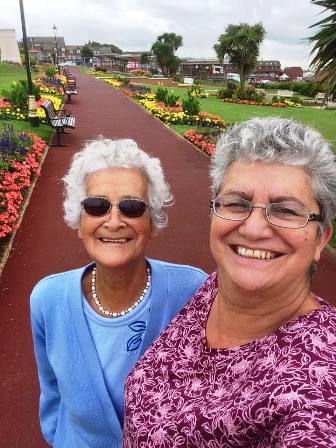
58,120
68,90
285,93
320,97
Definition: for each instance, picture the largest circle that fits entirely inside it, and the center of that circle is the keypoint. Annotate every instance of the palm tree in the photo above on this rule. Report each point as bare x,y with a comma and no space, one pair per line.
324,48
164,50
240,43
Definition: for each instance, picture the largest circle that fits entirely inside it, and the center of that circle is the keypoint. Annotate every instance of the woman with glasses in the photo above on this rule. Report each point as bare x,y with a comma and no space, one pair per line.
250,361
92,324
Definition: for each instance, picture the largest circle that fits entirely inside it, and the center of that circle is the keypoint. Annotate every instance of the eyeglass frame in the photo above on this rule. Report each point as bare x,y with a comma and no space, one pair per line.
310,217
117,205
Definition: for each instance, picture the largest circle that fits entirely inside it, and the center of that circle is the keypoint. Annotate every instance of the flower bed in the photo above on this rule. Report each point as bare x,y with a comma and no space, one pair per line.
20,155
113,82
134,91
175,115
9,112
284,103
202,140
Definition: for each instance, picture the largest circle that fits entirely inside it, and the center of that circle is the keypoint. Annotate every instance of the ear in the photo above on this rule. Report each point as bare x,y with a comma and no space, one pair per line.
322,242
154,231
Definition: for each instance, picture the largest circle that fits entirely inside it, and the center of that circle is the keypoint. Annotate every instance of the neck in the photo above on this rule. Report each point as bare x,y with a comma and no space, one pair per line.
117,288
238,317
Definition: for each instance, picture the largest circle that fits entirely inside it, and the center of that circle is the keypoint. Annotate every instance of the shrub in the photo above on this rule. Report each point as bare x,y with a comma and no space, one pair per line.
247,94
161,94
51,72
224,92
171,99
191,105
258,97
296,99
18,95
275,99
307,88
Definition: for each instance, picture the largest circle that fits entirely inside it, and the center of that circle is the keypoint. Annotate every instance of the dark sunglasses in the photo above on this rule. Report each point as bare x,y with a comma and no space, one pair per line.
129,208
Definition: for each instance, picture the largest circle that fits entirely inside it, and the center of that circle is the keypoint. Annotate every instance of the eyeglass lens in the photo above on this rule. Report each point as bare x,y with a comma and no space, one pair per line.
283,214
130,208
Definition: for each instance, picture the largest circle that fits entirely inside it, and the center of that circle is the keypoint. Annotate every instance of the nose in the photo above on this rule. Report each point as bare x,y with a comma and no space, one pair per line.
256,225
113,220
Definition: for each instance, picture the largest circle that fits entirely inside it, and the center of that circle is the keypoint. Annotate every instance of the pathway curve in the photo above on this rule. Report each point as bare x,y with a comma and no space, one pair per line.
45,245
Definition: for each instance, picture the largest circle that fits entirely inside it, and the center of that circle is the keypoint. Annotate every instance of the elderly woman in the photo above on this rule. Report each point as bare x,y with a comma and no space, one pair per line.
250,362
91,325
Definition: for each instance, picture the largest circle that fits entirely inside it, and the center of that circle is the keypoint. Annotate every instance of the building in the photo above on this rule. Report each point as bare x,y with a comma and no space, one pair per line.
74,53
294,73
45,48
266,70
9,50
213,68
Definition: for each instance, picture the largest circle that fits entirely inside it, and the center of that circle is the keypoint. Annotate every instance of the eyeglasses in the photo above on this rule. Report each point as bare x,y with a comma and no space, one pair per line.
99,206
286,214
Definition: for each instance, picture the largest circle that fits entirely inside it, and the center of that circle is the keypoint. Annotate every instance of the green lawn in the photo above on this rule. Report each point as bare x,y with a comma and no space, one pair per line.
42,131
322,120
9,73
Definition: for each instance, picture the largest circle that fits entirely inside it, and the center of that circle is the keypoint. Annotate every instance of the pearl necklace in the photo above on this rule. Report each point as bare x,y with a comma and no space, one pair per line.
120,313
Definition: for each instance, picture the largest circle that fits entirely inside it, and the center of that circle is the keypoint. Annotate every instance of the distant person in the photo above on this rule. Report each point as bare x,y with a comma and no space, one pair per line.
250,362
92,324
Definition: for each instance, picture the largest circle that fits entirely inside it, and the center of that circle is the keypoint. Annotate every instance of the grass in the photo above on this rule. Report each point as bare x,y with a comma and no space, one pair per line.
10,73
320,119
44,131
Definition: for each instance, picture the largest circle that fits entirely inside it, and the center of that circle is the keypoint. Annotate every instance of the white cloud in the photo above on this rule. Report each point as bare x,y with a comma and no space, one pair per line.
135,24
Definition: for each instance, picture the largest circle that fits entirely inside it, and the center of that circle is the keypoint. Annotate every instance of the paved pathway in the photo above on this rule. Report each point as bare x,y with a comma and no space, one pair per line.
45,245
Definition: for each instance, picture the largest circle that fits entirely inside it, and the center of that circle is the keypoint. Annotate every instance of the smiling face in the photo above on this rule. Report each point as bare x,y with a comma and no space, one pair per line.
254,255
113,240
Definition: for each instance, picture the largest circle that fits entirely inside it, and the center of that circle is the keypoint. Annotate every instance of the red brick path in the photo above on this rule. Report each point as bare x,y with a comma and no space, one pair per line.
45,245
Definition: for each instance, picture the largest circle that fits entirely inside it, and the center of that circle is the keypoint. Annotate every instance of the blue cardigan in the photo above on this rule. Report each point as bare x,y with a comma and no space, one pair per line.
75,408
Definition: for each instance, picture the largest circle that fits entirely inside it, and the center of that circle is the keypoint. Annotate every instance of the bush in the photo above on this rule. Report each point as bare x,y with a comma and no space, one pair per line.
51,72
18,95
171,99
307,88
224,92
296,99
258,97
161,94
248,94
191,105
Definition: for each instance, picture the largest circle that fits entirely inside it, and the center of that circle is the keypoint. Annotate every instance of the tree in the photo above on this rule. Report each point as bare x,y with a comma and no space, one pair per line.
86,51
145,58
240,43
324,48
164,50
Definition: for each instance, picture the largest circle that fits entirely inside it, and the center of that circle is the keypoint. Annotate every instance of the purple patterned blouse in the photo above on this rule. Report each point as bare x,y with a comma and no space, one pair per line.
276,392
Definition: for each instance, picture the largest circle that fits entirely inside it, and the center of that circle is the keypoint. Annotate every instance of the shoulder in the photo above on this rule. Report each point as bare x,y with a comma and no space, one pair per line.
52,286
178,271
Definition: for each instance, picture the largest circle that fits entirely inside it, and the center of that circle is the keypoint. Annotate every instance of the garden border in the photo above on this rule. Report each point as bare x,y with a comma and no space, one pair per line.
9,244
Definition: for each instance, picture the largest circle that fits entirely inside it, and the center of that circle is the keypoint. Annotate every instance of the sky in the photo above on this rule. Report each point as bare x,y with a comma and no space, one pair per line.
133,25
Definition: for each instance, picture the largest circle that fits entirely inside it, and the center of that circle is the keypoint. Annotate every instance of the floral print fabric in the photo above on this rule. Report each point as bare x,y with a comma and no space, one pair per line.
276,392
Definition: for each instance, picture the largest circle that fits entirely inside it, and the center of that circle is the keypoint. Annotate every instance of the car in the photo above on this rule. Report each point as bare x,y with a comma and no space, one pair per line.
68,63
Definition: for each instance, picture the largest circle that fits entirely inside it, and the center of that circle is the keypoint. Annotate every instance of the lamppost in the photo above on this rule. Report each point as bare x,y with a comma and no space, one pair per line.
32,111
56,49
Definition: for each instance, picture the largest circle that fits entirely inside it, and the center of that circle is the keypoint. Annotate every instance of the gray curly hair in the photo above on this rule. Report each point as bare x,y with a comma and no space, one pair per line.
105,153
284,141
